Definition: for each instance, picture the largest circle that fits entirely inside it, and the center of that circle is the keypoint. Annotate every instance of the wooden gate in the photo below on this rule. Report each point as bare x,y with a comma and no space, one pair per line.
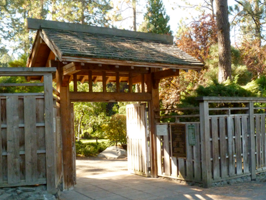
137,146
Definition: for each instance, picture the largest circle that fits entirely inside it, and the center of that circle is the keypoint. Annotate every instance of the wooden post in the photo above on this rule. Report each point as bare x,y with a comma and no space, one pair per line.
49,135
104,81
65,130
117,82
252,141
130,82
153,105
75,83
90,81
205,143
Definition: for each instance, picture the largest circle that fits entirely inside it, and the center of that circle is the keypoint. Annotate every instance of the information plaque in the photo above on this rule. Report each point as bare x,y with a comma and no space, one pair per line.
178,133
161,129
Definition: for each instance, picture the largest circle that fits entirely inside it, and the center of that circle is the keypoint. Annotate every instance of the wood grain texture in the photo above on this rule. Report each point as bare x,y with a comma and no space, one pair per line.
223,148
215,148
30,138
13,140
238,145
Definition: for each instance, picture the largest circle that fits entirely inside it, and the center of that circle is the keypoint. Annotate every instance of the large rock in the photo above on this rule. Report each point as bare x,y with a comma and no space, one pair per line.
113,152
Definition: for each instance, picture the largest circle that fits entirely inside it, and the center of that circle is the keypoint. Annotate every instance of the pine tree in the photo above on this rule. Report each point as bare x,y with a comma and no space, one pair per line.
156,19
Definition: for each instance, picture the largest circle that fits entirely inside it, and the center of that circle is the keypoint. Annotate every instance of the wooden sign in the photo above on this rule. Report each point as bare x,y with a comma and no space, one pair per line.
161,129
178,135
192,134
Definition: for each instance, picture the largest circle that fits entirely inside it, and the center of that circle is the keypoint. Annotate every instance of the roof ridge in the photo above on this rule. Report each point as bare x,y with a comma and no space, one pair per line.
37,24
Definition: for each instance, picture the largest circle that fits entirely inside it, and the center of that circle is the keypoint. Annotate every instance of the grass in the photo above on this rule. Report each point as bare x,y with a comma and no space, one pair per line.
86,141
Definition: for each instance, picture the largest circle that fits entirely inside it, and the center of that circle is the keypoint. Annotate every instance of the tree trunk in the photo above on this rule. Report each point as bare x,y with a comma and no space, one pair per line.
223,40
257,22
82,20
134,15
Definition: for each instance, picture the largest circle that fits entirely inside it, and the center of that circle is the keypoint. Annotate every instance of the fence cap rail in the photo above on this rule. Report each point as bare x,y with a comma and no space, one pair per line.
231,99
22,71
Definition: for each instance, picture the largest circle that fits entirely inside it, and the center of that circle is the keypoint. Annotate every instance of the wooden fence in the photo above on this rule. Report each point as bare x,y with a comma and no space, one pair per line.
30,143
229,142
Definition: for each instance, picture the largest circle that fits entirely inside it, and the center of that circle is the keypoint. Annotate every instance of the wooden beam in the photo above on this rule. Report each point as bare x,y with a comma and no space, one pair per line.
83,79
35,50
71,68
132,63
165,74
108,96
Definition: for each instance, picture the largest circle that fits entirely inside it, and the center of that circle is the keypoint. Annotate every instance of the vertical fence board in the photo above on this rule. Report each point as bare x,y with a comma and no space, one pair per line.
223,147
49,135
13,140
252,141
238,145
159,155
245,144
30,138
174,166
258,163
196,153
263,140
1,146
166,155
181,167
189,165
215,148
230,146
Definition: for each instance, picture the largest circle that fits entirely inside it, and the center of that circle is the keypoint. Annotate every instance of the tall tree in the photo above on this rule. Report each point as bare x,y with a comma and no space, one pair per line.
250,16
92,12
223,34
156,18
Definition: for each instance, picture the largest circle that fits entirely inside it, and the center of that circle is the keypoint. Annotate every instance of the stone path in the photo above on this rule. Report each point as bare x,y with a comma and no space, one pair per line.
109,180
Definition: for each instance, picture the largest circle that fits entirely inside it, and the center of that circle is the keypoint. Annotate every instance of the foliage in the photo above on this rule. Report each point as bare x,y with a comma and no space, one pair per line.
254,57
89,149
115,129
92,12
249,16
199,37
240,73
226,89
156,18
173,89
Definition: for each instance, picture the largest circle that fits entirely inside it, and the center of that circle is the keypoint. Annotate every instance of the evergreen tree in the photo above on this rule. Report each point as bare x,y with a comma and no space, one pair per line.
156,19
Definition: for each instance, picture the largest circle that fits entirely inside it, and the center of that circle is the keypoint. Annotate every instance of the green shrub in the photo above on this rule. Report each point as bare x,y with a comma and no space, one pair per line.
89,149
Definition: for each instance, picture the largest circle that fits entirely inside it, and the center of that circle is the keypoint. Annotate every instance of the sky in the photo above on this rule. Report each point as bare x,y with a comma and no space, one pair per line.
175,13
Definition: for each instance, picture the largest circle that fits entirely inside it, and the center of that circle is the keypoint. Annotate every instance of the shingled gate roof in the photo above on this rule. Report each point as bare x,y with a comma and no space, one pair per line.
115,44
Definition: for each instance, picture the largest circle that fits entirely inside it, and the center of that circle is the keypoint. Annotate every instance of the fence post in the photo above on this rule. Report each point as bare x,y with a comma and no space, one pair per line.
49,135
205,143
252,141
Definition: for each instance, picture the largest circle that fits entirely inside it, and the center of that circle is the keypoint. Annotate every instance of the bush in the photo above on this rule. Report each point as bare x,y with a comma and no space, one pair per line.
115,129
89,149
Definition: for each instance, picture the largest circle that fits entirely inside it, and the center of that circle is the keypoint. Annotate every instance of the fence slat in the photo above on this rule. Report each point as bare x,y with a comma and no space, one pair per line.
258,141
181,167
13,170
174,166
230,146
263,140
215,148
189,165
223,148
30,138
196,153
159,155
166,155
245,143
238,145
1,147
